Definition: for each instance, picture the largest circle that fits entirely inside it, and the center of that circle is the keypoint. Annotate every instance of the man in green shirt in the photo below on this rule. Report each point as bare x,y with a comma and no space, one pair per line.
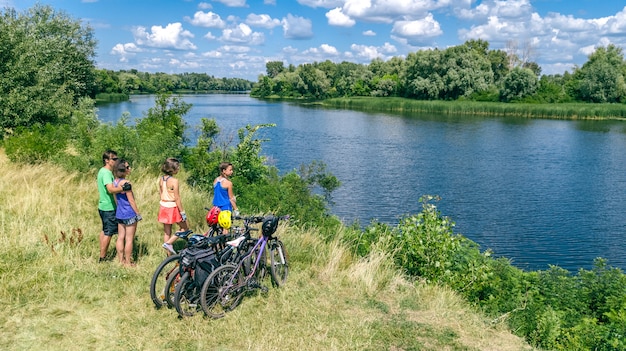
106,203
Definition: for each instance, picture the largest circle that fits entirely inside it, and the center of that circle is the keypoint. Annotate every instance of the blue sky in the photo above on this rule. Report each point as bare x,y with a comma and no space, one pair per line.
235,38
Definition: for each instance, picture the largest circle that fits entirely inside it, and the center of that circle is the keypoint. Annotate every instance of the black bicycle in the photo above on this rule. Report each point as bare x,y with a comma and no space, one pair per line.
167,272
223,290
199,260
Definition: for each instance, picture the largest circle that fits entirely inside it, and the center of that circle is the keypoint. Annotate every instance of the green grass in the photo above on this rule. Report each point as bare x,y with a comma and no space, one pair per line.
554,111
55,296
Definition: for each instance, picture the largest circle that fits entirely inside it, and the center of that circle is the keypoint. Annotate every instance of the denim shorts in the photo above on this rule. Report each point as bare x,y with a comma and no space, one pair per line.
109,222
129,221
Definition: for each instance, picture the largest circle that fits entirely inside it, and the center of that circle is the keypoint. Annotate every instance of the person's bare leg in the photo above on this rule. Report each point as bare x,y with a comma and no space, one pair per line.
105,241
128,245
167,233
119,243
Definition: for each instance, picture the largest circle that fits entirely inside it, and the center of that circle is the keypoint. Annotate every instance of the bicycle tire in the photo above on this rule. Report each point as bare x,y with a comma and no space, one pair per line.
159,279
170,288
215,297
186,296
279,264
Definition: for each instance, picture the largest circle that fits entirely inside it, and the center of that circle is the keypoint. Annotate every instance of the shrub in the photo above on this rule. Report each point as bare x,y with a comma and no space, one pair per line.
37,144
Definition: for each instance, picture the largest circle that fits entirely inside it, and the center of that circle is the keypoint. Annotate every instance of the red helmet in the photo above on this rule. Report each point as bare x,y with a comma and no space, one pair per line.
212,215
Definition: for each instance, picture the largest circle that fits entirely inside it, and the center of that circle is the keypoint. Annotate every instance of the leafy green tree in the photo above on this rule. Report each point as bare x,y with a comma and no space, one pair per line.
499,64
46,66
274,68
465,69
315,83
203,159
518,84
264,88
246,157
422,78
162,130
385,86
552,89
601,78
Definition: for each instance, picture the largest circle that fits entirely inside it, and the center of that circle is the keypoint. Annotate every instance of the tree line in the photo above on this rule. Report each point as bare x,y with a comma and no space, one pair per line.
135,82
470,71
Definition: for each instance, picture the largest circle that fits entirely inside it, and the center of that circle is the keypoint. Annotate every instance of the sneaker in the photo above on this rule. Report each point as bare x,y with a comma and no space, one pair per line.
102,259
169,248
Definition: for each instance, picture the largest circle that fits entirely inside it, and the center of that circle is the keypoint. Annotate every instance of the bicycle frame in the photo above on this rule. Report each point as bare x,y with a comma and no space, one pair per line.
261,245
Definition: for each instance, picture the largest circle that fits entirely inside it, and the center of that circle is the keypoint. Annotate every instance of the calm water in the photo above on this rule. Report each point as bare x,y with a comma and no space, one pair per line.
537,191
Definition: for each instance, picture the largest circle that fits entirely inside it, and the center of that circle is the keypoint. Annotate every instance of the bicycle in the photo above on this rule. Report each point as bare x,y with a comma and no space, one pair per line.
187,287
223,290
161,288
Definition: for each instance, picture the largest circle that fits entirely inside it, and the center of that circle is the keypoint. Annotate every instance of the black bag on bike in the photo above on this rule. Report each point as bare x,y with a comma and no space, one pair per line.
201,261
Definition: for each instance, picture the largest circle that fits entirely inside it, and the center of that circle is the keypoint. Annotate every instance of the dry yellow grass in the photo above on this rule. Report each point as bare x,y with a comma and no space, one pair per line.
55,296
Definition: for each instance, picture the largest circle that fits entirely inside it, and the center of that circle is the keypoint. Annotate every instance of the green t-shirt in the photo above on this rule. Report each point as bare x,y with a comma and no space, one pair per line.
106,202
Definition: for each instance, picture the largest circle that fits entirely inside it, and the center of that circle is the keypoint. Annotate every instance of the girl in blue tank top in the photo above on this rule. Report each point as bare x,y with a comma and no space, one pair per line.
223,196
126,213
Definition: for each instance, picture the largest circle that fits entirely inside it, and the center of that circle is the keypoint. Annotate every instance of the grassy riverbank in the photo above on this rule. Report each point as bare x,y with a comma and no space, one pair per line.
55,296
555,111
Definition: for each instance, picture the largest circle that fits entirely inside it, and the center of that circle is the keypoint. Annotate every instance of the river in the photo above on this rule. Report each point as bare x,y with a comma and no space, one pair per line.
539,192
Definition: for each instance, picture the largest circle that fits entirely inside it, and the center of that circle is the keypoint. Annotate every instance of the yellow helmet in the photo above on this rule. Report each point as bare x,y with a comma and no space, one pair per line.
224,219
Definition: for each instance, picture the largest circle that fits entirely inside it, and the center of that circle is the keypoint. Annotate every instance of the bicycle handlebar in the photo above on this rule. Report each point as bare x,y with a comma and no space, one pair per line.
259,219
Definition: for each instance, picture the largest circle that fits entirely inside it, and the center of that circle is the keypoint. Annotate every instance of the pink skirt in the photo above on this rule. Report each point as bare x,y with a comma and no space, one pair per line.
169,215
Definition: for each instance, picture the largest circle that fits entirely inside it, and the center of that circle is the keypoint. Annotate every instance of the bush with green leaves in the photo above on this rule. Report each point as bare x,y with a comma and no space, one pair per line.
552,309
36,144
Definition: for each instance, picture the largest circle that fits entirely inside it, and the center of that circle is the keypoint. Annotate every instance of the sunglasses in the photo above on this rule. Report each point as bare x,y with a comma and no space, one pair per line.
114,158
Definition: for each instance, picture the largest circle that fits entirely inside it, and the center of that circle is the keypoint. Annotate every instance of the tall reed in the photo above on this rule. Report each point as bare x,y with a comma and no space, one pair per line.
500,109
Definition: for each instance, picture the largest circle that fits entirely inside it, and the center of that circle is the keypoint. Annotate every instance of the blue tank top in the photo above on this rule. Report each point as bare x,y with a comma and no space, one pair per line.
123,210
220,197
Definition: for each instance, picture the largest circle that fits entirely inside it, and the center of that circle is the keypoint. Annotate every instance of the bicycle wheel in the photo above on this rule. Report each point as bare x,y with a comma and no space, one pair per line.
170,288
159,279
279,267
186,296
222,291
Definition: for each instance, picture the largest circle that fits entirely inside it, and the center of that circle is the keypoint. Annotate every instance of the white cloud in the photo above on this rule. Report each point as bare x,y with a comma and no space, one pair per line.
387,11
206,19
212,54
500,30
295,27
242,34
372,52
235,49
418,31
328,4
263,21
173,36
323,50
499,8
233,3
337,18
125,51
290,50
185,65
238,65
204,6
369,33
